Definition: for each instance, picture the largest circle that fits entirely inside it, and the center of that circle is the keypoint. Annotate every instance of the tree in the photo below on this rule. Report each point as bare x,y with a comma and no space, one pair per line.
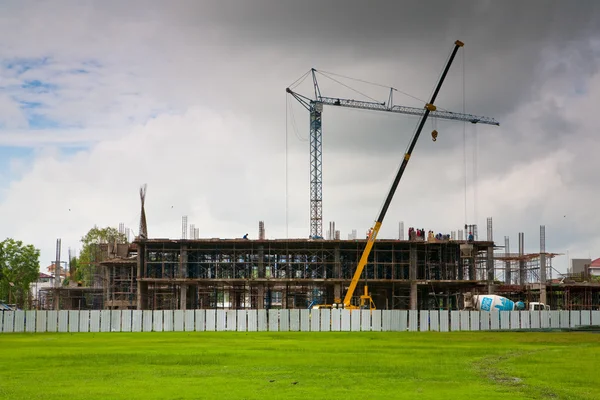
91,254
19,267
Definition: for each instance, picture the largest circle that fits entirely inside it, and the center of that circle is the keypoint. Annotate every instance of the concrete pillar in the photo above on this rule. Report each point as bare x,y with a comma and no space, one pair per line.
142,287
522,270
261,263
490,269
183,296
412,276
543,264
337,274
507,266
260,301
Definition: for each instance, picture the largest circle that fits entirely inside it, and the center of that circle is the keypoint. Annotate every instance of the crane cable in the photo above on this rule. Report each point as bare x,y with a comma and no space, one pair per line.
464,134
286,165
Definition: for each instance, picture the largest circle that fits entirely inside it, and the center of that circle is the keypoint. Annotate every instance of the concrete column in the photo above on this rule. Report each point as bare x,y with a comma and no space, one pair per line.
543,297
261,262
142,287
183,262
490,269
260,302
183,296
412,276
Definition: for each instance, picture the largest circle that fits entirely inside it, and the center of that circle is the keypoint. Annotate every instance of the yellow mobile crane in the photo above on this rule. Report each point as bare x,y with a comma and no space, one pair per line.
366,302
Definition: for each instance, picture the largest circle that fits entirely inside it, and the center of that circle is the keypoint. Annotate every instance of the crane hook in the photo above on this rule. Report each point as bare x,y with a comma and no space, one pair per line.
434,135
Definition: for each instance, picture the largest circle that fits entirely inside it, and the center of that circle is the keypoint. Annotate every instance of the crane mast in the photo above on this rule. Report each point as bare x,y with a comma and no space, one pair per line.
315,109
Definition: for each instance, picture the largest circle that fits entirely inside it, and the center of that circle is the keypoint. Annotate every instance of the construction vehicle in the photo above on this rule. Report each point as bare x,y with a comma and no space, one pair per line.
366,302
493,302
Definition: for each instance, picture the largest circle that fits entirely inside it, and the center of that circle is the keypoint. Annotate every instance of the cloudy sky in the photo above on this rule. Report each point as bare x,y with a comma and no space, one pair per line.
98,98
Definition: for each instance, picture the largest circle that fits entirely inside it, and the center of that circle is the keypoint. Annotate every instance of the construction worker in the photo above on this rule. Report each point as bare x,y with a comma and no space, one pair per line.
245,236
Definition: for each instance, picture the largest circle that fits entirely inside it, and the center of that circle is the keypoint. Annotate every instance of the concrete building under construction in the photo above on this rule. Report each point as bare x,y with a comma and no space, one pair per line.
422,273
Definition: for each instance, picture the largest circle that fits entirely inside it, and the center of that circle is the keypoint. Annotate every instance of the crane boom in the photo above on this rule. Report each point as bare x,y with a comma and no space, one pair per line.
429,108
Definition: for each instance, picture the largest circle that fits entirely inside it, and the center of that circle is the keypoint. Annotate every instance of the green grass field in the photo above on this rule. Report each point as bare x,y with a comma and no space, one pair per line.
230,365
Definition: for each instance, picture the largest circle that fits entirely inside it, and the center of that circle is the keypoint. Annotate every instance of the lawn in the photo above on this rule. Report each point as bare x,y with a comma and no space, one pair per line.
263,365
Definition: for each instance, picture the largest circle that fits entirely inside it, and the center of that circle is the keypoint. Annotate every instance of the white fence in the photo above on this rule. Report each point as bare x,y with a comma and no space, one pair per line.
289,320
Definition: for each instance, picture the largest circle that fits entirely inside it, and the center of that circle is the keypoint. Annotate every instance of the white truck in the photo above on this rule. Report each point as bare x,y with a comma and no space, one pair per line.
491,302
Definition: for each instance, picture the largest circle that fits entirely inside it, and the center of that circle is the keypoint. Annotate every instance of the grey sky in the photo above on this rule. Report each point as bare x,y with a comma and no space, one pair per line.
189,97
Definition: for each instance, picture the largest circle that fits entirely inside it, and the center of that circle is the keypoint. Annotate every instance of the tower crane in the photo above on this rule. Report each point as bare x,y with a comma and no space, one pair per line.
315,109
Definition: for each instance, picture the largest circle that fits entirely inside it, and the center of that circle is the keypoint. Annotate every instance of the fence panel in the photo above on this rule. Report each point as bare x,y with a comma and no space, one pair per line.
325,320
19,321
29,321
115,320
355,320
189,322
105,321
178,320
484,320
455,320
167,324
8,322
336,320
126,320
444,319
434,320
495,317
515,321
63,321
365,320
545,319
74,321
386,320
232,320
504,319
413,320
474,315
575,318
157,321
284,320
294,320
464,320
376,320
424,320
345,326
1,323
273,320
554,319
241,319
305,320
211,320
525,321
252,320
147,322
200,320
595,317
262,320
534,317
95,321
564,319
586,319
315,320
221,320
136,324
84,321
41,319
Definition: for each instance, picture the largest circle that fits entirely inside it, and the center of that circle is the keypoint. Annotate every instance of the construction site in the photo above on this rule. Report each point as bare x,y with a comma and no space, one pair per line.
413,271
